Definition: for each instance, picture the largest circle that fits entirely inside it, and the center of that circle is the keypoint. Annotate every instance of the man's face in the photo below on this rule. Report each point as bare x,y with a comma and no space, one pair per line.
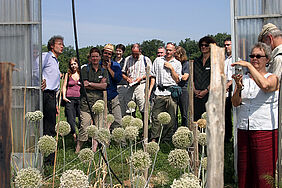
135,53
268,41
107,55
95,57
205,47
228,47
161,52
170,50
58,47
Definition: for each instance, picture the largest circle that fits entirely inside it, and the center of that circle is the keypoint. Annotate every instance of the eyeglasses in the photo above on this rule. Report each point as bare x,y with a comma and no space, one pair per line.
227,44
205,45
257,56
107,53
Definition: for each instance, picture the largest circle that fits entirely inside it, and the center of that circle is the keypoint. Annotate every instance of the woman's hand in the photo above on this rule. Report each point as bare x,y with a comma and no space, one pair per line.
241,63
238,81
66,99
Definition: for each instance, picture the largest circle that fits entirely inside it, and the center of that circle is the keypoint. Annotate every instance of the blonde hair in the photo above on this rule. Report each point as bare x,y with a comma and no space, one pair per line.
181,53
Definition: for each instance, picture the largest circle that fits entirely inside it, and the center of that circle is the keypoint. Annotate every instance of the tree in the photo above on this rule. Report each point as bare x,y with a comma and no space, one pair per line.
220,37
150,48
191,47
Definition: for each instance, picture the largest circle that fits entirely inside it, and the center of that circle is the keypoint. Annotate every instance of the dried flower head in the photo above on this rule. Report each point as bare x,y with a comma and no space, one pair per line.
202,139
202,123
110,118
182,138
92,131
64,128
204,116
161,178
118,135
186,183
205,163
100,101
131,105
28,177
189,175
139,181
86,155
131,133
178,158
47,145
136,122
152,148
104,136
164,118
126,120
141,160
34,116
74,178
98,107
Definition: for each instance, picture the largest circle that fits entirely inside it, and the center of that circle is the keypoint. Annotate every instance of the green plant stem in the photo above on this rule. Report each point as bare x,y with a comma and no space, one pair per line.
121,161
36,147
130,164
108,164
64,151
153,166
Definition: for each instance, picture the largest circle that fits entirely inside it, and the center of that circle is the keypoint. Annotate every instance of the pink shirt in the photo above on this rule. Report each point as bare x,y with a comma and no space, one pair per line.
73,88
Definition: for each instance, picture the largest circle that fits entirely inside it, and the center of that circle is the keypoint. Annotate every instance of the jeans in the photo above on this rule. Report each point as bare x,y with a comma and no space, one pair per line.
72,110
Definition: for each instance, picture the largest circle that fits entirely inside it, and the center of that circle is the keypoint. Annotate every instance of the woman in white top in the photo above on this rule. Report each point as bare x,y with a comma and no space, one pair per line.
256,100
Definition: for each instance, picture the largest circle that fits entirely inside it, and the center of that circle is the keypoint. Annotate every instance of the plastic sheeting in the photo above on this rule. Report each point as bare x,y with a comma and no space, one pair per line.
20,43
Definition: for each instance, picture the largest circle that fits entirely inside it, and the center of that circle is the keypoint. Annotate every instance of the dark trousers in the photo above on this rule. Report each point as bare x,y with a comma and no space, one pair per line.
228,119
72,110
183,105
49,119
199,106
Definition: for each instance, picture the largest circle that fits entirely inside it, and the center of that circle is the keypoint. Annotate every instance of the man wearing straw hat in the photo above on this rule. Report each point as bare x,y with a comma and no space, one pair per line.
272,36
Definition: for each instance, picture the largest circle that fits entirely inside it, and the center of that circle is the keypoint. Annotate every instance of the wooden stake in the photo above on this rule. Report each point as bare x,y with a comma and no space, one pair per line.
146,115
6,70
216,118
24,122
105,125
57,135
280,134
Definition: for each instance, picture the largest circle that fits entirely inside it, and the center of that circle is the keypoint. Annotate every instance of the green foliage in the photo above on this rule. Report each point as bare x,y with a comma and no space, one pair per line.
220,37
150,48
191,47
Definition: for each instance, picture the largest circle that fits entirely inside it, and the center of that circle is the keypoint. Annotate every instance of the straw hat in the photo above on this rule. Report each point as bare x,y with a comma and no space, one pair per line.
109,47
265,29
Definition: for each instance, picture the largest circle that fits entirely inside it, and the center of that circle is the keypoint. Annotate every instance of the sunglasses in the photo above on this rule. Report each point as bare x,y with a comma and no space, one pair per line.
227,44
205,45
257,56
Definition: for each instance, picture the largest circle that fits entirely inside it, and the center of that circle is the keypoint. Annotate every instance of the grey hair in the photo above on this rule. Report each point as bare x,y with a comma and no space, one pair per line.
275,33
52,41
264,47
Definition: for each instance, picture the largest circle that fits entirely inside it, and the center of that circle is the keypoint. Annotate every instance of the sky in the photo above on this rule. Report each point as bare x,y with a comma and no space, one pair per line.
131,21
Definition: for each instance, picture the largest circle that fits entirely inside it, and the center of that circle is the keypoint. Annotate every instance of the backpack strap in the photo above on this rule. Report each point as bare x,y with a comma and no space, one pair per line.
145,62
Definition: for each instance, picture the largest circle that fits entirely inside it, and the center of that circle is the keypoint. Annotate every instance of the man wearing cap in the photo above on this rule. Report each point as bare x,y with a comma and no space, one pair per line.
115,76
272,36
166,72
134,73
95,79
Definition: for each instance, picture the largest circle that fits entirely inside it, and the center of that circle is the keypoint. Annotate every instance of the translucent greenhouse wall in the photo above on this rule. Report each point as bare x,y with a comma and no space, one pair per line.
247,20
20,43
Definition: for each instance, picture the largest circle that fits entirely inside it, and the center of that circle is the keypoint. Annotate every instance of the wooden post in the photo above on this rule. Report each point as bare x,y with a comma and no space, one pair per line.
280,134
146,114
105,98
216,114
6,70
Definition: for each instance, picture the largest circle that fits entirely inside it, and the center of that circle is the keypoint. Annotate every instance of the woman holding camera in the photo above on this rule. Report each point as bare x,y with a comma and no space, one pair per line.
256,101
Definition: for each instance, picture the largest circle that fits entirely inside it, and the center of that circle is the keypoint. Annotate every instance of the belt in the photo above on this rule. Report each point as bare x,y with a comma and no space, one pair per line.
49,91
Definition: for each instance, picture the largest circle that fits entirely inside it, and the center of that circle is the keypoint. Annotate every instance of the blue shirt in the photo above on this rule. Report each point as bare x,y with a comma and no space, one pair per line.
112,87
50,71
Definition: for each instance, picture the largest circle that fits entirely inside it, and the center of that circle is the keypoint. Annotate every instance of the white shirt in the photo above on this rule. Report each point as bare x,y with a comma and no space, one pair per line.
228,68
163,75
275,65
259,110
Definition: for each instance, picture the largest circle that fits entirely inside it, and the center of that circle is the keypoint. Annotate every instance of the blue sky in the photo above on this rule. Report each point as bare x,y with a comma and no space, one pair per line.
130,21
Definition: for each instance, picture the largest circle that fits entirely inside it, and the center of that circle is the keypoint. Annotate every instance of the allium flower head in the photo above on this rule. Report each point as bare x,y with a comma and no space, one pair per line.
204,115
186,183
182,138
28,177
202,139
189,175
98,107
47,145
118,134
139,181
126,120
92,131
178,158
136,122
86,155
34,116
64,128
164,118
100,101
110,118
202,123
131,105
74,179
141,160
205,163
161,178
104,136
131,133
152,148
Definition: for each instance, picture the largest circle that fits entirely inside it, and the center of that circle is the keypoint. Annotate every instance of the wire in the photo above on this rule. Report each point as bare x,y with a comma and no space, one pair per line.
82,84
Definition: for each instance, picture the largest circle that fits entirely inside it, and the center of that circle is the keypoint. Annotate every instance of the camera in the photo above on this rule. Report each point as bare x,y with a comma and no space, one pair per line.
238,69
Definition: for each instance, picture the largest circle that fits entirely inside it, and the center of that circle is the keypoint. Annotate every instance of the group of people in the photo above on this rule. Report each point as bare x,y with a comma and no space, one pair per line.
255,97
